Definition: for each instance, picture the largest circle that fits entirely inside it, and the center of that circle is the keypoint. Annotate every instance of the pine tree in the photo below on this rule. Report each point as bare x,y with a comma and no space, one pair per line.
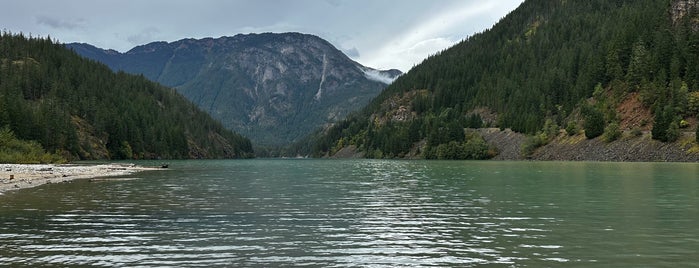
594,122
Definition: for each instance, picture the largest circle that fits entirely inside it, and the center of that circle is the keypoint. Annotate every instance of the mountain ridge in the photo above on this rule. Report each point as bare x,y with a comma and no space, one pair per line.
275,88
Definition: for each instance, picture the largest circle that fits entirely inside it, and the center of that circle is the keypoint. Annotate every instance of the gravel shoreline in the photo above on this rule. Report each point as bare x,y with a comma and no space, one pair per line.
20,176
628,148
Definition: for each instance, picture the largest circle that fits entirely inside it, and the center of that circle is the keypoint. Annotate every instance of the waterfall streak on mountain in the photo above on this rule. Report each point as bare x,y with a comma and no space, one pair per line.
322,78
258,81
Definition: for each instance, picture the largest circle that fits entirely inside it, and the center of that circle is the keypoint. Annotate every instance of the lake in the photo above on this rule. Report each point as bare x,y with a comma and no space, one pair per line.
362,213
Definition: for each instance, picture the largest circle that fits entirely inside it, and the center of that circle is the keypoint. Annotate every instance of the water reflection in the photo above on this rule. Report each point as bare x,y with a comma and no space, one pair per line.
361,213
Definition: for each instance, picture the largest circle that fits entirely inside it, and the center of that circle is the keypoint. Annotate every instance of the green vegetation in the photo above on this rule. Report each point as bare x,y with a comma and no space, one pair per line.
572,128
611,132
594,122
80,109
16,151
474,148
547,60
541,138
666,126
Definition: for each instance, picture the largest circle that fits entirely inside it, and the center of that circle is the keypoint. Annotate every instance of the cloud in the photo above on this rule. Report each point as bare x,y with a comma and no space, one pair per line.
335,3
352,52
387,35
56,23
277,27
378,76
440,31
145,36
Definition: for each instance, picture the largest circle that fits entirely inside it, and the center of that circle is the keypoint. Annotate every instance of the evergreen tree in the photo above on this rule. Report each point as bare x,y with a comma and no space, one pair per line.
664,127
594,122
544,60
77,108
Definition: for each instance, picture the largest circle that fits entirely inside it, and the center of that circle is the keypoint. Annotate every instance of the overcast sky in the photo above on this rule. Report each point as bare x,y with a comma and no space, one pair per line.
382,34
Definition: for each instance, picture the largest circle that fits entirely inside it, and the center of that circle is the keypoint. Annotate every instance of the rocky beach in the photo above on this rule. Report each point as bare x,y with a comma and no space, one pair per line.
20,176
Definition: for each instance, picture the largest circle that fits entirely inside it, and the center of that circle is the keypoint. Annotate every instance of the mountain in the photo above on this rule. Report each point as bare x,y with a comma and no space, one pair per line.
82,110
273,88
595,69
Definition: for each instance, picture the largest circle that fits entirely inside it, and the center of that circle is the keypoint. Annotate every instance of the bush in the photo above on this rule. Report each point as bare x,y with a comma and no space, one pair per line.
551,129
693,103
533,142
474,148
636,132
684,124
14,151
572,128
594,123
673,132
611,132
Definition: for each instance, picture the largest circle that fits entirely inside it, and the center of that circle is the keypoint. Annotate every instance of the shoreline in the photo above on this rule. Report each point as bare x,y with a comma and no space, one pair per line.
32,175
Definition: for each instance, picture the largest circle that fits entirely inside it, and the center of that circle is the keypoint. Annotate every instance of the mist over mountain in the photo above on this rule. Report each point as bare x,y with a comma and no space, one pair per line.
273,88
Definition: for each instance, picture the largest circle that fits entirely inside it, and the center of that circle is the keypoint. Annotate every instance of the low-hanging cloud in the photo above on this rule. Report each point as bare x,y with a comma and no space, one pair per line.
56,23
352,53
145,36
378,76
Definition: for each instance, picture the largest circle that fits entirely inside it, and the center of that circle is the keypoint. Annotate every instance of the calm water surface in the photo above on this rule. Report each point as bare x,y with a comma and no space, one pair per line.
362,213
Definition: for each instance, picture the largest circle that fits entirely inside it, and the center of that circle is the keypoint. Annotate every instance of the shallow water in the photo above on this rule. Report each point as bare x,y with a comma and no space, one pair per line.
367,213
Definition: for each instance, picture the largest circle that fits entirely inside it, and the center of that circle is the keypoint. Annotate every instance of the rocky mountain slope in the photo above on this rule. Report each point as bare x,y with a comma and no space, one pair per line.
273,88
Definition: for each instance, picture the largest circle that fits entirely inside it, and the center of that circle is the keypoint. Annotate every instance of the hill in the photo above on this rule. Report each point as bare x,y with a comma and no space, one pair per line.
273,88
596,68
80,109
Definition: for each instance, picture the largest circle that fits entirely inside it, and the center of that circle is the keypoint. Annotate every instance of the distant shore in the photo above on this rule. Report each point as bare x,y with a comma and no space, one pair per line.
21,176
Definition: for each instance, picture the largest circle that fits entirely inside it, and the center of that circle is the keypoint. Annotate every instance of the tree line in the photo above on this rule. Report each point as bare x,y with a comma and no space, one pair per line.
548,64
80,109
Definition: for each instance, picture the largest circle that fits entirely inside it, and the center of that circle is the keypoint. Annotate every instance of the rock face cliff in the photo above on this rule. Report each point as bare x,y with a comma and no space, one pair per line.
273,88
681,8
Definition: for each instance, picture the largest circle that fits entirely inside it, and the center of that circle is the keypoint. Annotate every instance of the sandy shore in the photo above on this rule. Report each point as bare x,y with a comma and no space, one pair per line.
14,176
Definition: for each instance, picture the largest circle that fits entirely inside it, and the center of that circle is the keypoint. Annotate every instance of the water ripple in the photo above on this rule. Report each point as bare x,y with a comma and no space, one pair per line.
314,213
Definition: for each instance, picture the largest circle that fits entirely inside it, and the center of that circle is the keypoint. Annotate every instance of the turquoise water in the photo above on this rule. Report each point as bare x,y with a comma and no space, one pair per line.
362,213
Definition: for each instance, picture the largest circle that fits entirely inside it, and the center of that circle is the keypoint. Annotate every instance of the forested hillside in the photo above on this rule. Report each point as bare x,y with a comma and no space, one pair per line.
547,66
80,109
